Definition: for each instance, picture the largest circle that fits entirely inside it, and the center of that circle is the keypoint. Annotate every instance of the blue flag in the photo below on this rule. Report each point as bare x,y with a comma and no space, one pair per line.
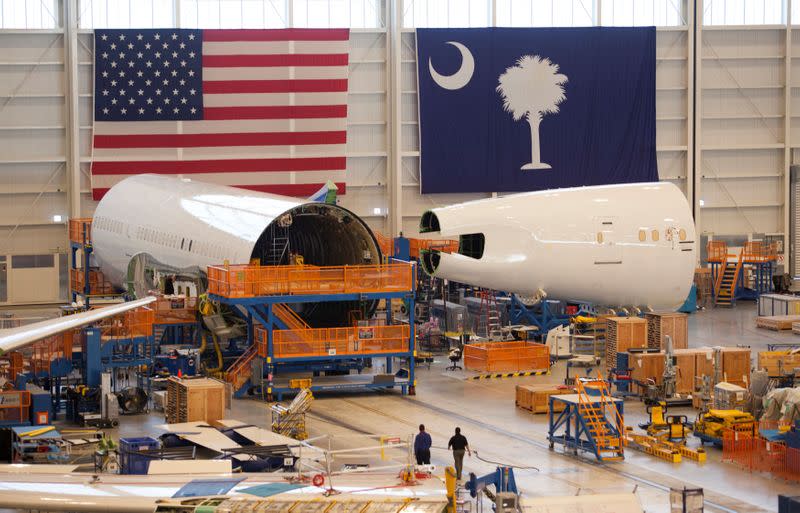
523,109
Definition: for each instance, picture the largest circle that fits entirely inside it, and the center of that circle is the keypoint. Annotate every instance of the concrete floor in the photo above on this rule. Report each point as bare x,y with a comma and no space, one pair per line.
500,433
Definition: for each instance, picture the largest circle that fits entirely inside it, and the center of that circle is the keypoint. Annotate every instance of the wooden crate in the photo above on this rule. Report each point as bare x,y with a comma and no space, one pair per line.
506,356
777,322
674,324
195,399
685,360
536,398
736,365
646,365
623,333
777,363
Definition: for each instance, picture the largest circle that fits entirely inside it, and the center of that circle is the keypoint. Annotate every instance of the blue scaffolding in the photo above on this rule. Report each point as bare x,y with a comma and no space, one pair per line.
260,312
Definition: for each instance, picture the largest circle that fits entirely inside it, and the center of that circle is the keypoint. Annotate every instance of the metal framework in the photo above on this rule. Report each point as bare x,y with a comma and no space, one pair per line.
266,323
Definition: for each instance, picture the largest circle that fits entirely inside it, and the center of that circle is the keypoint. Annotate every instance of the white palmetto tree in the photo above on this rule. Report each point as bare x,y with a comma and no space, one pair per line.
531,89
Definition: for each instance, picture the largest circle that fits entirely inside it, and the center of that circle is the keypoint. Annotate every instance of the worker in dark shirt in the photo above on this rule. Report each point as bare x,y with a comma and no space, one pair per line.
422,446
459,444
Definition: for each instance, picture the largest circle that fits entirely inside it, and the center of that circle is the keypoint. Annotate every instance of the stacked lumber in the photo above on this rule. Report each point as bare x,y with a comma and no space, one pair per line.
673,324
777,322
195,399
623,333
778,363
536,398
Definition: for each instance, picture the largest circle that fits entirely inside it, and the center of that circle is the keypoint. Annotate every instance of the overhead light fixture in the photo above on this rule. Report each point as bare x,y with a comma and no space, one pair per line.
57,218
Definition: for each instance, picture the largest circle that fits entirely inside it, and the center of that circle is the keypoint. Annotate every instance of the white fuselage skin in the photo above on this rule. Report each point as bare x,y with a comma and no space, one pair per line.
614,245
180,222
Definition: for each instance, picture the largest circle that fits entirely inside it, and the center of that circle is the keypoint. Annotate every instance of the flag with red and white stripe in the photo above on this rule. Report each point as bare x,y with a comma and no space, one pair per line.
259,109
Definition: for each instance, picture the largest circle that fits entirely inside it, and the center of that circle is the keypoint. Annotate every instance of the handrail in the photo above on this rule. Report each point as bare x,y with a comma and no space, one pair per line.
717,251
240,281
355,340
718,282
736,274
238,369
80,230
607,402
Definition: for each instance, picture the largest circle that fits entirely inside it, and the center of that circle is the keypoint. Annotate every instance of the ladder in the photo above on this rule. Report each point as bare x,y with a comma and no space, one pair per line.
606,436
278,251
489,317
291,420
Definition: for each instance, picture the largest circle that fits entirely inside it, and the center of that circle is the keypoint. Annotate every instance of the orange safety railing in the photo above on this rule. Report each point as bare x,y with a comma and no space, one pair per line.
443,245
46,350
174,309
595,408
717,251
386,244
416,245
758,251
240,371
97,282
506,356
14,406
133,323
236,281
757,454
80,230
353,340
16,365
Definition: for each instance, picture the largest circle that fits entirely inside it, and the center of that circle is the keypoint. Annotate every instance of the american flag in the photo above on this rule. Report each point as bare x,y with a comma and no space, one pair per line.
260,109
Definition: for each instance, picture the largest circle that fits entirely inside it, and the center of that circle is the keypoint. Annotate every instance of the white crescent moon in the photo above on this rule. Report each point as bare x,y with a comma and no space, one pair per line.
461,77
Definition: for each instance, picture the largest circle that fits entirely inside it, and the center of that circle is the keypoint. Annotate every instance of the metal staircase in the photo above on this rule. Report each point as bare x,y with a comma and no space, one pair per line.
726,283
278,251
239,373
601,419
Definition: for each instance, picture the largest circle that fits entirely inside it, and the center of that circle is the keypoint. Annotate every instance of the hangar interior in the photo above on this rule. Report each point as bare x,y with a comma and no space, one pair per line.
649,362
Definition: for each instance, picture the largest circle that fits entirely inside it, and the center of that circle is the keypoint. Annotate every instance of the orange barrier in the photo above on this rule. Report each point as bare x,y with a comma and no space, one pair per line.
46,350
758,251
133,323
416,245
174,309
97,282
506,356
757,454
80,230
14,406
235,281
717,251
386,244
355,340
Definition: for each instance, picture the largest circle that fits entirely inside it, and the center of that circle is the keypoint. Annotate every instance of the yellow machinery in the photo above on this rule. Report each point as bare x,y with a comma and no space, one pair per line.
710,426
674,428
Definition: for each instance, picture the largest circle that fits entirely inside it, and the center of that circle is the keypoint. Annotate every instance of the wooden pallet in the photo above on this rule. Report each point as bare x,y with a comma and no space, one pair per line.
674,324
623,333
777,322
